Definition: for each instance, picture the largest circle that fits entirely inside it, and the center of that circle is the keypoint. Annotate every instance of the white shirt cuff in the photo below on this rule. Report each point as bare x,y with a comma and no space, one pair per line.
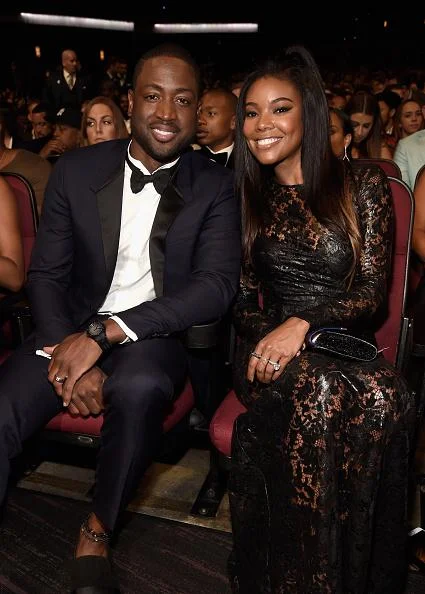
130,334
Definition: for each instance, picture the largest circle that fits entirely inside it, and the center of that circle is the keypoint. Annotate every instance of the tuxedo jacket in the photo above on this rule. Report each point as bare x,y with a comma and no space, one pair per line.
195,246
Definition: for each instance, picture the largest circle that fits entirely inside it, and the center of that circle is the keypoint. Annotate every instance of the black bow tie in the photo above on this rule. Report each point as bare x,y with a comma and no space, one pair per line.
138,179
217,157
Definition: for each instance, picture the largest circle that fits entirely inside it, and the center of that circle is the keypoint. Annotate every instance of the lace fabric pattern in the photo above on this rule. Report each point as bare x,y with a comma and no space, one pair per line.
320,459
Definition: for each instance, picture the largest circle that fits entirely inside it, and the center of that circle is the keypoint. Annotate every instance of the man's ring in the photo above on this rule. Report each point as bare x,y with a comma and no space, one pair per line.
60,380
256,355
276,364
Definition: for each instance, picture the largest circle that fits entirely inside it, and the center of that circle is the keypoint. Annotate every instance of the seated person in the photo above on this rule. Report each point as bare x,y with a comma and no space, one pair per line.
43,124
66,134
34,168
369,137
12,272
102,120
139,241
341,132
216,125
319,469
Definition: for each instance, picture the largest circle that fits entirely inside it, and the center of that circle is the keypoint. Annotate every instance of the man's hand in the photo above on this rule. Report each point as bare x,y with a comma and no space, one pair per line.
75,355
87,395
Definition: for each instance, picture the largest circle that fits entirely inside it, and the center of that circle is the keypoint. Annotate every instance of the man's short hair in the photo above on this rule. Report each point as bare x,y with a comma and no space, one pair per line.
172,50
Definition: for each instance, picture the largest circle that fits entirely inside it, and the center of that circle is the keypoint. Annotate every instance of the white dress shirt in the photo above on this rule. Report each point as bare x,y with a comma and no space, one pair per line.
132,282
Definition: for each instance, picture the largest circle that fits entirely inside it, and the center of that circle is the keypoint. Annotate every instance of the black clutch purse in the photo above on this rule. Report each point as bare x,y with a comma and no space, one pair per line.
339,342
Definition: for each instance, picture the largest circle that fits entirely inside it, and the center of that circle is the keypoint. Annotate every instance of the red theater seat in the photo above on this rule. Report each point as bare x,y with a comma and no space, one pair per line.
393,335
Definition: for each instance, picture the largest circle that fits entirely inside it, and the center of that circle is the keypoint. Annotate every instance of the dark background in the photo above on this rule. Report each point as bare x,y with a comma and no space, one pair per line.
341,37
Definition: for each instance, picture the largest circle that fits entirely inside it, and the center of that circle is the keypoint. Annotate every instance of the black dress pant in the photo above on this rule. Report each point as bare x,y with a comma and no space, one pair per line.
143,379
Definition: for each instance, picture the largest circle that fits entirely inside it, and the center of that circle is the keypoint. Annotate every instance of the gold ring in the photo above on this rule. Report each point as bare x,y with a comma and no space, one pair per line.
276,364
60,380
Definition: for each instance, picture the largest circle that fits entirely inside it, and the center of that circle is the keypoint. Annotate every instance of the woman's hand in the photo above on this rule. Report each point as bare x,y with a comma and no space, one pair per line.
273,353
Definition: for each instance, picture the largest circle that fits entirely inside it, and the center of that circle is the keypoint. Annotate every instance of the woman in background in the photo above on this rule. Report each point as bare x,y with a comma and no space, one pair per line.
369,138
341,133
12,272
320,459
408,119
102,120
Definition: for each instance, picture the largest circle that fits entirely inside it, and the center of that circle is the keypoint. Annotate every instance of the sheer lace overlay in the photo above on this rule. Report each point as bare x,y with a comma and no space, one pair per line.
320,460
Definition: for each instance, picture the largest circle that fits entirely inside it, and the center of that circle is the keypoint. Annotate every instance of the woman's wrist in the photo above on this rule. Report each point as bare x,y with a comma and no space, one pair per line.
303,323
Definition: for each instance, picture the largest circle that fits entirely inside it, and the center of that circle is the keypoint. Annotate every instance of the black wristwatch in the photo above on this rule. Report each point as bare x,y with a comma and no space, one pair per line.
97,331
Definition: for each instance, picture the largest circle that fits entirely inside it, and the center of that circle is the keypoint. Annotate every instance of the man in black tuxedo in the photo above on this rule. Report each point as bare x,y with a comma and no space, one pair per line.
215,132
67,86
123,263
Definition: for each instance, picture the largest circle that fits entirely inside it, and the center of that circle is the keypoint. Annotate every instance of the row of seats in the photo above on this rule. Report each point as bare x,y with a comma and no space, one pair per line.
394,337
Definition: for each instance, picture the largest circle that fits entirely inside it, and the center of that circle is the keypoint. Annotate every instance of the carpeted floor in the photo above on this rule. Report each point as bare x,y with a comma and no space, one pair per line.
152,556
161,549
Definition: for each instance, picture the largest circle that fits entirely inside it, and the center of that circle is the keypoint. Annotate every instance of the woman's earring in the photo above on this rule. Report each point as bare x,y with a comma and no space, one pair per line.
345,157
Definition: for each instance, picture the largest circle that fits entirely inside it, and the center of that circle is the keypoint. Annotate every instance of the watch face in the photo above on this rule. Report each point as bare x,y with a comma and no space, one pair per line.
95,328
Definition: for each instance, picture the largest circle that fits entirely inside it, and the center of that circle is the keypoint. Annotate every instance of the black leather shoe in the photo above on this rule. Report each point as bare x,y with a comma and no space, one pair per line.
92,574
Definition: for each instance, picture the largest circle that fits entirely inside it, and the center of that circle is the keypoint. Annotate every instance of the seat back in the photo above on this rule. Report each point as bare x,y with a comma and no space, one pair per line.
393,331
16,322
28,214
417,267
418,175
389,166
392,334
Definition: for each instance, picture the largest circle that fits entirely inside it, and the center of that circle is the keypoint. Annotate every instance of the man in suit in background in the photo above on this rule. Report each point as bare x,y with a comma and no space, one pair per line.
124,262
67,86
215,132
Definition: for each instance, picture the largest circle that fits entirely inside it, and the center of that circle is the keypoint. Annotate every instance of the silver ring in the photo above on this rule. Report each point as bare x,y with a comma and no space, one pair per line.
256,355
60,380
276,364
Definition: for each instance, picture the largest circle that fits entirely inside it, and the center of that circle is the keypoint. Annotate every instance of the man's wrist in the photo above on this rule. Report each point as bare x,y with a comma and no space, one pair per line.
114,332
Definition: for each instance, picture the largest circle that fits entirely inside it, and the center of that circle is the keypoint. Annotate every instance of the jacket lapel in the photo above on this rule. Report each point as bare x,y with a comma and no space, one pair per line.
109,204
170,205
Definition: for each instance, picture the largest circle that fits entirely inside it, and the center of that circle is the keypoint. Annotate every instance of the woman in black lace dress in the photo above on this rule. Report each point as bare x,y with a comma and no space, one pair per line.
319,460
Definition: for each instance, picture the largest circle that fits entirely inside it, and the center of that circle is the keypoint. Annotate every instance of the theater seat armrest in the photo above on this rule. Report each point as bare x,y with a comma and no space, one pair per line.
202,336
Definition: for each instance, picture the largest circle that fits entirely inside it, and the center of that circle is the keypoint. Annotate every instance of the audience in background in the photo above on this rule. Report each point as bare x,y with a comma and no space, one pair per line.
369,138
67,86
408,119
123,104
337,98
341,133
66,135
409,155
12,270
102,120
34,168
388,102
215,131
116,73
